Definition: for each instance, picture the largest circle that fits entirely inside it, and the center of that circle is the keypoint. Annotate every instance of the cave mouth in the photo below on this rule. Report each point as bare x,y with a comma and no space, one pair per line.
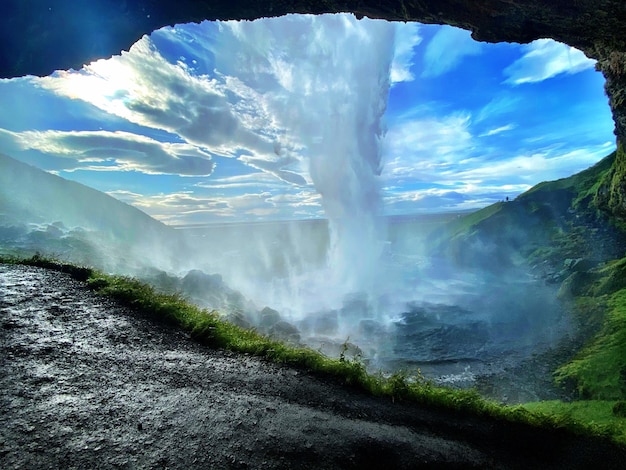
174,95
466,124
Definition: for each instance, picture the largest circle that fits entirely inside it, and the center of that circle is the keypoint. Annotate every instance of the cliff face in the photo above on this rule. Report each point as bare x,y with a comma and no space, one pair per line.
37,36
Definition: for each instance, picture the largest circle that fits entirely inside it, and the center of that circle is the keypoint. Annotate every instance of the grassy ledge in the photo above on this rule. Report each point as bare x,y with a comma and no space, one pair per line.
207,327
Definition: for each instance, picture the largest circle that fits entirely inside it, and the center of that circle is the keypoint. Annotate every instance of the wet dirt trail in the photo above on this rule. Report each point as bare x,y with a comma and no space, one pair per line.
85,383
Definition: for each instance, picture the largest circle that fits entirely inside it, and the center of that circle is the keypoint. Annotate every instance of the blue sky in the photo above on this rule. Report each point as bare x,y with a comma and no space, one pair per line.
302,117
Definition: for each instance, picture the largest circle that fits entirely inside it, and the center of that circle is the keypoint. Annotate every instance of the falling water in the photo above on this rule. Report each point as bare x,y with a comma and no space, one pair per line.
326,81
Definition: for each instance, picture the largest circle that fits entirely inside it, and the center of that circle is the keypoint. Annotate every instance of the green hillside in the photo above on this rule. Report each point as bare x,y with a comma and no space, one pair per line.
570,233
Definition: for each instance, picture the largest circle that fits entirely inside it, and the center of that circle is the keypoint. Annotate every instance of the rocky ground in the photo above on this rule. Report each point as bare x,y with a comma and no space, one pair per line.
85,383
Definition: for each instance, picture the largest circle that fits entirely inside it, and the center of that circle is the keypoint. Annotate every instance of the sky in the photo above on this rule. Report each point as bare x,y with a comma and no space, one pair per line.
312,116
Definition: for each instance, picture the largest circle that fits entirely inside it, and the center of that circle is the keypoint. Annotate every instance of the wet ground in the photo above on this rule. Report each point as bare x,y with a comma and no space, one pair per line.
85,383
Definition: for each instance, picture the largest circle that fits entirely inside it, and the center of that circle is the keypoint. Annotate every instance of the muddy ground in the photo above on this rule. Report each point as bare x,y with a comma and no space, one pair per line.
85,383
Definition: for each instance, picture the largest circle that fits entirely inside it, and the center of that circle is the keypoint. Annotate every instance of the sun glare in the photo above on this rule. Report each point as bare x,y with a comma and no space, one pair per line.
107,84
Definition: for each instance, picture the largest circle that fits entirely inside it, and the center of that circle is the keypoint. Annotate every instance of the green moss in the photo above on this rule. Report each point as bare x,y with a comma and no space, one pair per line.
599,369
610,196
619,409
610,279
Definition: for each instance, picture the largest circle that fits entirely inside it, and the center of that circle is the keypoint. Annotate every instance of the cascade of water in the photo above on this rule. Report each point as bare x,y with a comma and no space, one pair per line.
338,84
324,83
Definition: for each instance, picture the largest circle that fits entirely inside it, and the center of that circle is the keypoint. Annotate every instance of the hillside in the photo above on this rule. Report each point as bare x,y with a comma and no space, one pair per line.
43,212
538,226
568,233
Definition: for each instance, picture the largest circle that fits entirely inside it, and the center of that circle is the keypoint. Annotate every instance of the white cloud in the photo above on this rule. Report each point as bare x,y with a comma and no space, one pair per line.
180,208
437,163
142,87
187,207
500,105
447,49
407,38
421,148
541,165
544,59
277,167
115,151
251,180
499,130
298,200
457,197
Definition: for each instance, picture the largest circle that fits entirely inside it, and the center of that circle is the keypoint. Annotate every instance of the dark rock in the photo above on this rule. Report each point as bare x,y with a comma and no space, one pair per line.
370,327
286,331
579,265
197,282
269,317
239,318
574,285
321,323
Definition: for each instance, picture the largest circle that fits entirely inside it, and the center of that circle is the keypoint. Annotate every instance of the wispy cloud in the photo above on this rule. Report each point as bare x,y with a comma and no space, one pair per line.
277,167
187,207
180,208
251,180
117,150
544,59
420,148
499,130
454,198
447,49
144,88
500,105
531,168
407,38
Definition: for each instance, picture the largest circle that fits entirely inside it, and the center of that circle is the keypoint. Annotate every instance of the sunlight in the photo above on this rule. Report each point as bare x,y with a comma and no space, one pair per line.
106,84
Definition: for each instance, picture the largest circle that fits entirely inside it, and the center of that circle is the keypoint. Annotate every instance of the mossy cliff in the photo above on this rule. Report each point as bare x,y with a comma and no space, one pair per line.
610,196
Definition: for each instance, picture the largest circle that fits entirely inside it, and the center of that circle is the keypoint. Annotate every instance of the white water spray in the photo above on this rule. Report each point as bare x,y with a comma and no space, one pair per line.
329,92
345,143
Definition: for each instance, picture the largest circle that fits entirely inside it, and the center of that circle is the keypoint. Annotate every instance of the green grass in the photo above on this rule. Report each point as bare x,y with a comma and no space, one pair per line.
207,327
599,369
610,278
598,414
464,224
584,184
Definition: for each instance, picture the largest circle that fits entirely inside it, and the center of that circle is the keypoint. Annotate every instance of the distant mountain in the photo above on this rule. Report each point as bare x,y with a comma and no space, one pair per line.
28,194
44,212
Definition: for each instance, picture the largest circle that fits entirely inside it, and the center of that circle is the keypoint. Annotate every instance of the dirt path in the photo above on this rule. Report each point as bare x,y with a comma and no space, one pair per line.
85,383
